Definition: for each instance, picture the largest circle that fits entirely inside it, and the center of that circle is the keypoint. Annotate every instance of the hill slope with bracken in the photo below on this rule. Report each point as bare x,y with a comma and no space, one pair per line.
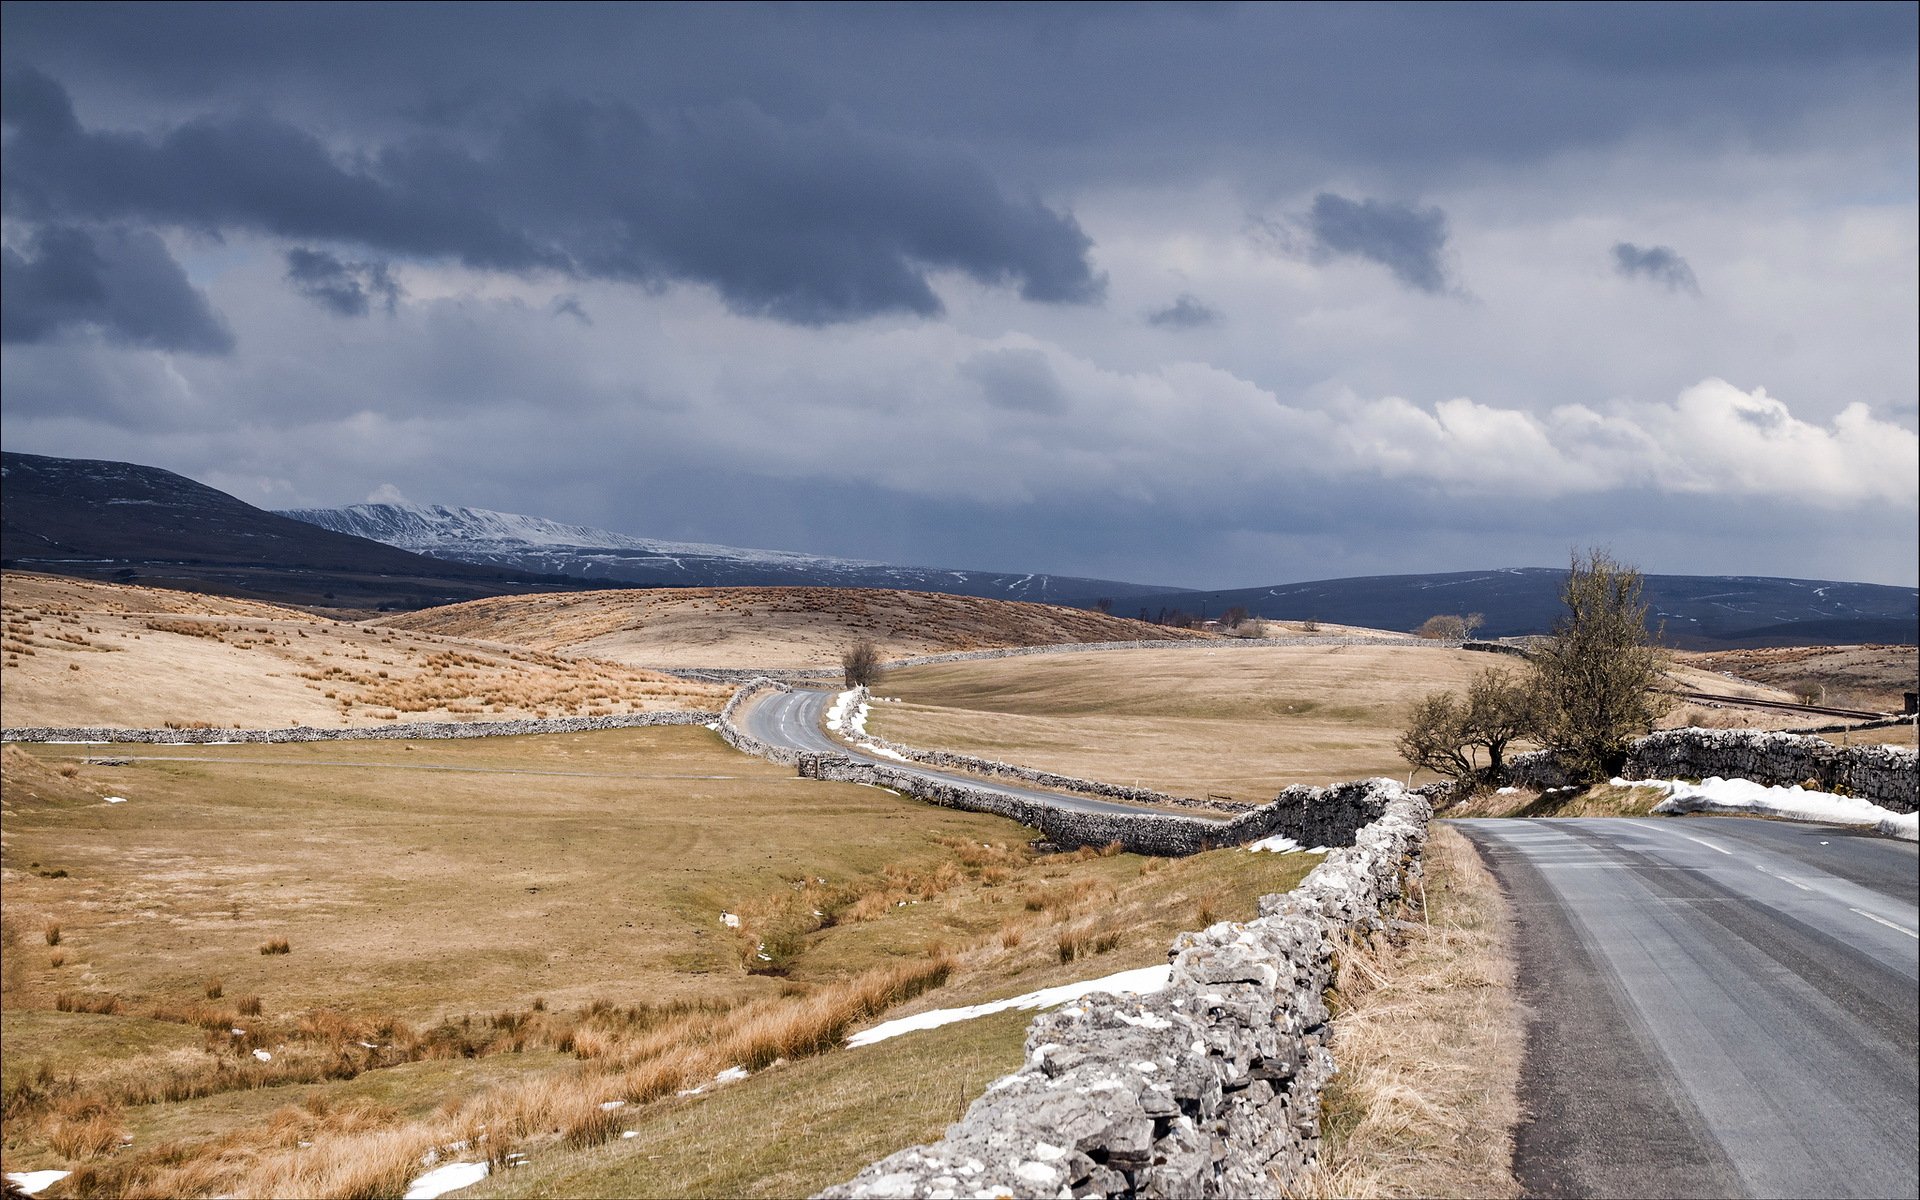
79,652
766,627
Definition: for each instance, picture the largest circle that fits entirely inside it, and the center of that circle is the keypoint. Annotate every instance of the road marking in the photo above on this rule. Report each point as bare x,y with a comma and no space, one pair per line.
1707,844
1782,878
1883,921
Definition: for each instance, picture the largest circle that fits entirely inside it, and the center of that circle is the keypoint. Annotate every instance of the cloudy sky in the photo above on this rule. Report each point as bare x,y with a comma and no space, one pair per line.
1204,295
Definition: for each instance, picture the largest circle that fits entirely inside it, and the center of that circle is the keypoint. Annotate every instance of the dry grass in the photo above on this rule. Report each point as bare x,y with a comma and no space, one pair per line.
1241,721
766,626
155,658
1600,800
1428,1037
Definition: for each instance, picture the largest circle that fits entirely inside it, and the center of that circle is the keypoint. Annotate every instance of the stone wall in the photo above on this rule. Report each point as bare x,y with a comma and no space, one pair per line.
1887,775
406,730
1208,1088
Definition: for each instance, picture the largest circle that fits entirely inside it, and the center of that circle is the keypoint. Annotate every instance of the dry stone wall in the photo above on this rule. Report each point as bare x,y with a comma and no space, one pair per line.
402,731
1887,775
1210,1088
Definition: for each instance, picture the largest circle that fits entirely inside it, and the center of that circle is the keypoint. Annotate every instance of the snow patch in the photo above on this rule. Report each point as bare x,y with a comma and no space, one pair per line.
1717,795
1138,982
35,1182
847,715
441,1180
116,799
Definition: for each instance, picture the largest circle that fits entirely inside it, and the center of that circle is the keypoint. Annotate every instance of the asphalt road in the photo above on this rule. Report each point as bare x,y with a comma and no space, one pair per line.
795,720
1720,1006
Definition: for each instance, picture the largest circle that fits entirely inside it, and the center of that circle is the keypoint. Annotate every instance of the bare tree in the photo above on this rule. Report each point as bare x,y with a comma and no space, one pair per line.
1234,617
1594,680
1466,738
1444,627
860,663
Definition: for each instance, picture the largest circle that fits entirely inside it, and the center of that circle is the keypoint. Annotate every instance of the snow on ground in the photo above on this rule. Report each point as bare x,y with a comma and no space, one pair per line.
1281,844
449,1178
116,799
1717,795
845,715
35,1182
881,751
1139,981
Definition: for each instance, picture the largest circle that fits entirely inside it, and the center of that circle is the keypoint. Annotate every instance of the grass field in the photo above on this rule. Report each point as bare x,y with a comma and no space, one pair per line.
509,932
81,653
1237,720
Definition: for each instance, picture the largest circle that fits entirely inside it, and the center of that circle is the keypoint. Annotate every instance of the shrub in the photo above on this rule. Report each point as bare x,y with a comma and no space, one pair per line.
276,946
214,989
51,931
860,663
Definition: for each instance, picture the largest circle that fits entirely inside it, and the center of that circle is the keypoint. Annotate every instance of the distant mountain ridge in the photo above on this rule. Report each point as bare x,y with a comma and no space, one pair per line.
1697,611
125,522
518,541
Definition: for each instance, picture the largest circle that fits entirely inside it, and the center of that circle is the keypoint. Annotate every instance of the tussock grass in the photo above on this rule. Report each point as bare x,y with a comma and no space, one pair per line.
1428,1036
276,946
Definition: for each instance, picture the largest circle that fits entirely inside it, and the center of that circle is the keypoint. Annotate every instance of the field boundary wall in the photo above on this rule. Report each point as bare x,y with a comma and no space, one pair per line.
400,731
1886,775
1209,1088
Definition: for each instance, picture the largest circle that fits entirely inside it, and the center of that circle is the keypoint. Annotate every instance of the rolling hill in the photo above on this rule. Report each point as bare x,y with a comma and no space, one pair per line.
1697,611
125,522
765,627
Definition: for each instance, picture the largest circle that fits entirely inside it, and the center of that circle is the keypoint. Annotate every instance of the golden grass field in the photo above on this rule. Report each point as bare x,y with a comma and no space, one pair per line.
766,627
510,932
1243,721
84,653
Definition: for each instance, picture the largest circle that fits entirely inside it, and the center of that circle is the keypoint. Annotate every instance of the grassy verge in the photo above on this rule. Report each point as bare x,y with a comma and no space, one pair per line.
1428,1037
1600,800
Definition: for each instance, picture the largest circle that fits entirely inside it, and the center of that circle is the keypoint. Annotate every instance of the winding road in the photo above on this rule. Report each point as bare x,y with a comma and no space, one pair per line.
1720,1006
796,720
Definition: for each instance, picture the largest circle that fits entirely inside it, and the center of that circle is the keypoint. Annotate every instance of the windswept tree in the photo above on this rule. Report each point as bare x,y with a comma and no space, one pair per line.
1466,738
860,663
1595,680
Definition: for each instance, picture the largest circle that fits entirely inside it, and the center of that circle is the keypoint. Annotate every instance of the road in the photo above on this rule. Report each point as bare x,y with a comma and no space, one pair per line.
794,719
1721,1006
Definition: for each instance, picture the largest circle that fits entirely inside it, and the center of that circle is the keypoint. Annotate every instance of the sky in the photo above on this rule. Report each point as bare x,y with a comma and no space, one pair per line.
1196,295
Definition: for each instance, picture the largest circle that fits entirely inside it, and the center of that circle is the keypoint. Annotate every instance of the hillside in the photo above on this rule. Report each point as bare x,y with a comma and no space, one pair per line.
1697,611
125,522
765,627
519,542
79,652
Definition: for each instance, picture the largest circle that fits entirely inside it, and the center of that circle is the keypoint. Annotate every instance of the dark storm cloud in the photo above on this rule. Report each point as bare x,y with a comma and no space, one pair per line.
809,224
1658,263
350,289
120,282
1137,90
1186,312
1407,241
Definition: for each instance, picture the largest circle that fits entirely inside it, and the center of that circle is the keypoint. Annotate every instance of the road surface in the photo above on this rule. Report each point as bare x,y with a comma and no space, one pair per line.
793,719
1720,1006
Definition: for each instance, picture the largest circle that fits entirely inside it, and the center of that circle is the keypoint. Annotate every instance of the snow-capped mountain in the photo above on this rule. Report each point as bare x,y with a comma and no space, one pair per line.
520,542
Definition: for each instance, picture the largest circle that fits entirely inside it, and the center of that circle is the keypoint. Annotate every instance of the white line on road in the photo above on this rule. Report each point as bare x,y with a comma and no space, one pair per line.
1782,878
1883,921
